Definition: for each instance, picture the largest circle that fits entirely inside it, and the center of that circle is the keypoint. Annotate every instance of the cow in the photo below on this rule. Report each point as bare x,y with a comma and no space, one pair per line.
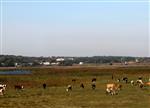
2,89
113,88
125,79
69,88
19,87
44,86
147,84
139,82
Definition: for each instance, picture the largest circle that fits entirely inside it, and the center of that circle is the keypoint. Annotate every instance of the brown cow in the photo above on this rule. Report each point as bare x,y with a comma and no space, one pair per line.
147,84
113,88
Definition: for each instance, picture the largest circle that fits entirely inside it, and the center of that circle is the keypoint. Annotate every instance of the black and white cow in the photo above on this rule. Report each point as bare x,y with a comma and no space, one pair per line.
2,89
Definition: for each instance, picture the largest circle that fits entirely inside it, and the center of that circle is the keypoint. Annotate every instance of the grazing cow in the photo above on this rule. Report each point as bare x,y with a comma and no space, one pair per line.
82,85
139,82
113,88
2,89
125,79
19,87
69,88
44,86
147,84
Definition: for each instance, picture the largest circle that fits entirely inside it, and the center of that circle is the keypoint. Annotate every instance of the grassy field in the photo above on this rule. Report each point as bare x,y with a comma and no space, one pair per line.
57,78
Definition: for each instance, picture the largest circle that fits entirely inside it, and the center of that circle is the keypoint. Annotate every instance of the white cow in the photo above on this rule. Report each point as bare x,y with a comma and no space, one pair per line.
139,82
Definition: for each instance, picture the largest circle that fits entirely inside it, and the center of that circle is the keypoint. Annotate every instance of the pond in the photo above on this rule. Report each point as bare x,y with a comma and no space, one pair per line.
15,72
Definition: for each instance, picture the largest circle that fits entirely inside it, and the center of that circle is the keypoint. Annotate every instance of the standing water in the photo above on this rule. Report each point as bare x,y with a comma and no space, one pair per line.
15,72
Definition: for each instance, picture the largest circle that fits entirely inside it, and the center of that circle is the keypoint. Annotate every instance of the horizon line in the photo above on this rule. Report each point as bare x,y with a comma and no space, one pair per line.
76,56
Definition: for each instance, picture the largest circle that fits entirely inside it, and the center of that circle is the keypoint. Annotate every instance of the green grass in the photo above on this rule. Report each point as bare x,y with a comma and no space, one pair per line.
55,96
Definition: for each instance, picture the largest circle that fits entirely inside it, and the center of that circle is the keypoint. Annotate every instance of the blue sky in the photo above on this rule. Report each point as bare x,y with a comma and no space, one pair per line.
75,29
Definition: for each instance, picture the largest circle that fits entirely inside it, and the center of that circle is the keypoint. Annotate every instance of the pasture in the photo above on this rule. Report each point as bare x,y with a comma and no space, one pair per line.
57,78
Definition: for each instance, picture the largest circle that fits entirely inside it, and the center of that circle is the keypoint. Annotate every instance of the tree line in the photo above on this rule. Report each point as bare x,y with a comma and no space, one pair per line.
12,60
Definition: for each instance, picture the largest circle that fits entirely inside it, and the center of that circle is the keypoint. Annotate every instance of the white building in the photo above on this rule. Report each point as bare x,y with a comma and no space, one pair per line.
55,63
81,63
60,59
46,63
137,60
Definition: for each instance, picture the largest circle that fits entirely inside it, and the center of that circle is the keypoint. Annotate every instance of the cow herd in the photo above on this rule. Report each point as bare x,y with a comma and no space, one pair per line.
114,88
111,88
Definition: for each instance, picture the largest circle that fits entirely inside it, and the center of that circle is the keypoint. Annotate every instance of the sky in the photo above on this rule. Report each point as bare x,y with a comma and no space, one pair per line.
75,28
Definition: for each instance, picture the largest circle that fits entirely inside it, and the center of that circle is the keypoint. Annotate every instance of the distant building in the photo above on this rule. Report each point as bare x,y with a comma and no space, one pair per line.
55,63
60,59
16,64
126,63
30,64
46,63
70,59
137,60
81,63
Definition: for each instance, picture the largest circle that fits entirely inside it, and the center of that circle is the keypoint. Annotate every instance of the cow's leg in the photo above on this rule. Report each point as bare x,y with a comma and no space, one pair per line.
113,92
1,92
108,91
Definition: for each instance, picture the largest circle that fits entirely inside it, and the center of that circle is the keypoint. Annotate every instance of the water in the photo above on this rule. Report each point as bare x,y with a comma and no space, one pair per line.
15,72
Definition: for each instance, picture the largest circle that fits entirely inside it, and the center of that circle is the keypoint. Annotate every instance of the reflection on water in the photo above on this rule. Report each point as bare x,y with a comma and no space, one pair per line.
15,72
